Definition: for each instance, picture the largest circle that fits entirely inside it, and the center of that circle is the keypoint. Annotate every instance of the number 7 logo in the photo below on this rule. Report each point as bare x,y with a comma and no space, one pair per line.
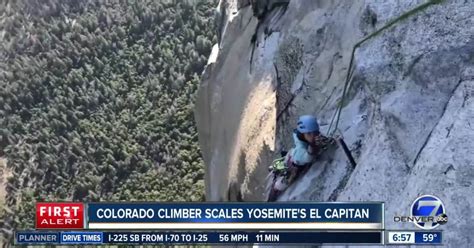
427,206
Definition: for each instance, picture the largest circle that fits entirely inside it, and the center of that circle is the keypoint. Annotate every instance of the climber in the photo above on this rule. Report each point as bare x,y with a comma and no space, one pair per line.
308,144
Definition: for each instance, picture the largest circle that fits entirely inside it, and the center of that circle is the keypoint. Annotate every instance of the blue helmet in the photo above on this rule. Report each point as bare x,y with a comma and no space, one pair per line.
307,124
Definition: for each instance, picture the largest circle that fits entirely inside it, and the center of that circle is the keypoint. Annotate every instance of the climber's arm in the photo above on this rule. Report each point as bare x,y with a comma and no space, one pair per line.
321,143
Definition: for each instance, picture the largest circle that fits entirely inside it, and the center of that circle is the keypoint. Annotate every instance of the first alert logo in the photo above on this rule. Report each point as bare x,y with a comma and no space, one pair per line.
59,215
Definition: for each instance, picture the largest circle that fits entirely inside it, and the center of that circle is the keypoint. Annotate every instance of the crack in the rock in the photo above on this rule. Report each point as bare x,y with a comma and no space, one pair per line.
412,65
331,66
341,186
261,20
287,105
327,99
450,168
277,75
465,98
449,130
434,126
253,42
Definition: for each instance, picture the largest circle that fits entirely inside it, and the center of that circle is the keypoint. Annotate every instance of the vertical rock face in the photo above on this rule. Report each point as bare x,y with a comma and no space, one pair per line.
235,106
408,117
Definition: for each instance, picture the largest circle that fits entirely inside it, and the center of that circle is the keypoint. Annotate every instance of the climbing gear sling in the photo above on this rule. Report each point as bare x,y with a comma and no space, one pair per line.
278,166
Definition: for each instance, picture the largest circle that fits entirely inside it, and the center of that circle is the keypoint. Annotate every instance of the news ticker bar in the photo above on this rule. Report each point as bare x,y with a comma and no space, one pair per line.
264,237
251,237
210,216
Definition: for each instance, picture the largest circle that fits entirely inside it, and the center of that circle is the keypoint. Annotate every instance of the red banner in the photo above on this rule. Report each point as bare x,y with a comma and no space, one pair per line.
59,215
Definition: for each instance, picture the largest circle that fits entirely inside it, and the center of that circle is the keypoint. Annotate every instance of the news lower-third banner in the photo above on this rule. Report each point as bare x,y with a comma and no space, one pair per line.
197,237
236,216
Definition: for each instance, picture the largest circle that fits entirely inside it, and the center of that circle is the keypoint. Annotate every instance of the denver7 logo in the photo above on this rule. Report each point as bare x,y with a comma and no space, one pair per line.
429,207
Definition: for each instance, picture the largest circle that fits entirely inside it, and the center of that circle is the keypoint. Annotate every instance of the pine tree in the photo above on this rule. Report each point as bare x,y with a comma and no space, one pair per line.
96,101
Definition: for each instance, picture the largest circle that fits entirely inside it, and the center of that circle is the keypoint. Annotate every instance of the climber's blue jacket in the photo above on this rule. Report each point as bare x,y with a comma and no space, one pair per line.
299,155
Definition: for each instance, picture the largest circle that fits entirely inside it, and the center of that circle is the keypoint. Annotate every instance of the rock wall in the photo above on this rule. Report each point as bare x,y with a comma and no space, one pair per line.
408,117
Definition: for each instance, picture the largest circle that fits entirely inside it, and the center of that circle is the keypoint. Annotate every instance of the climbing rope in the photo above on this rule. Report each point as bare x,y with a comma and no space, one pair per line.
350,70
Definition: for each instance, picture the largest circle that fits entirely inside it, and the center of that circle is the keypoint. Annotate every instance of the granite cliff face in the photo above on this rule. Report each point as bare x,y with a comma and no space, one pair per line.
408,116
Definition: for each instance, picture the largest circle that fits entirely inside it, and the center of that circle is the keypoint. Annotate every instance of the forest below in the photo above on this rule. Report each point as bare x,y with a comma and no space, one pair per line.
97,101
